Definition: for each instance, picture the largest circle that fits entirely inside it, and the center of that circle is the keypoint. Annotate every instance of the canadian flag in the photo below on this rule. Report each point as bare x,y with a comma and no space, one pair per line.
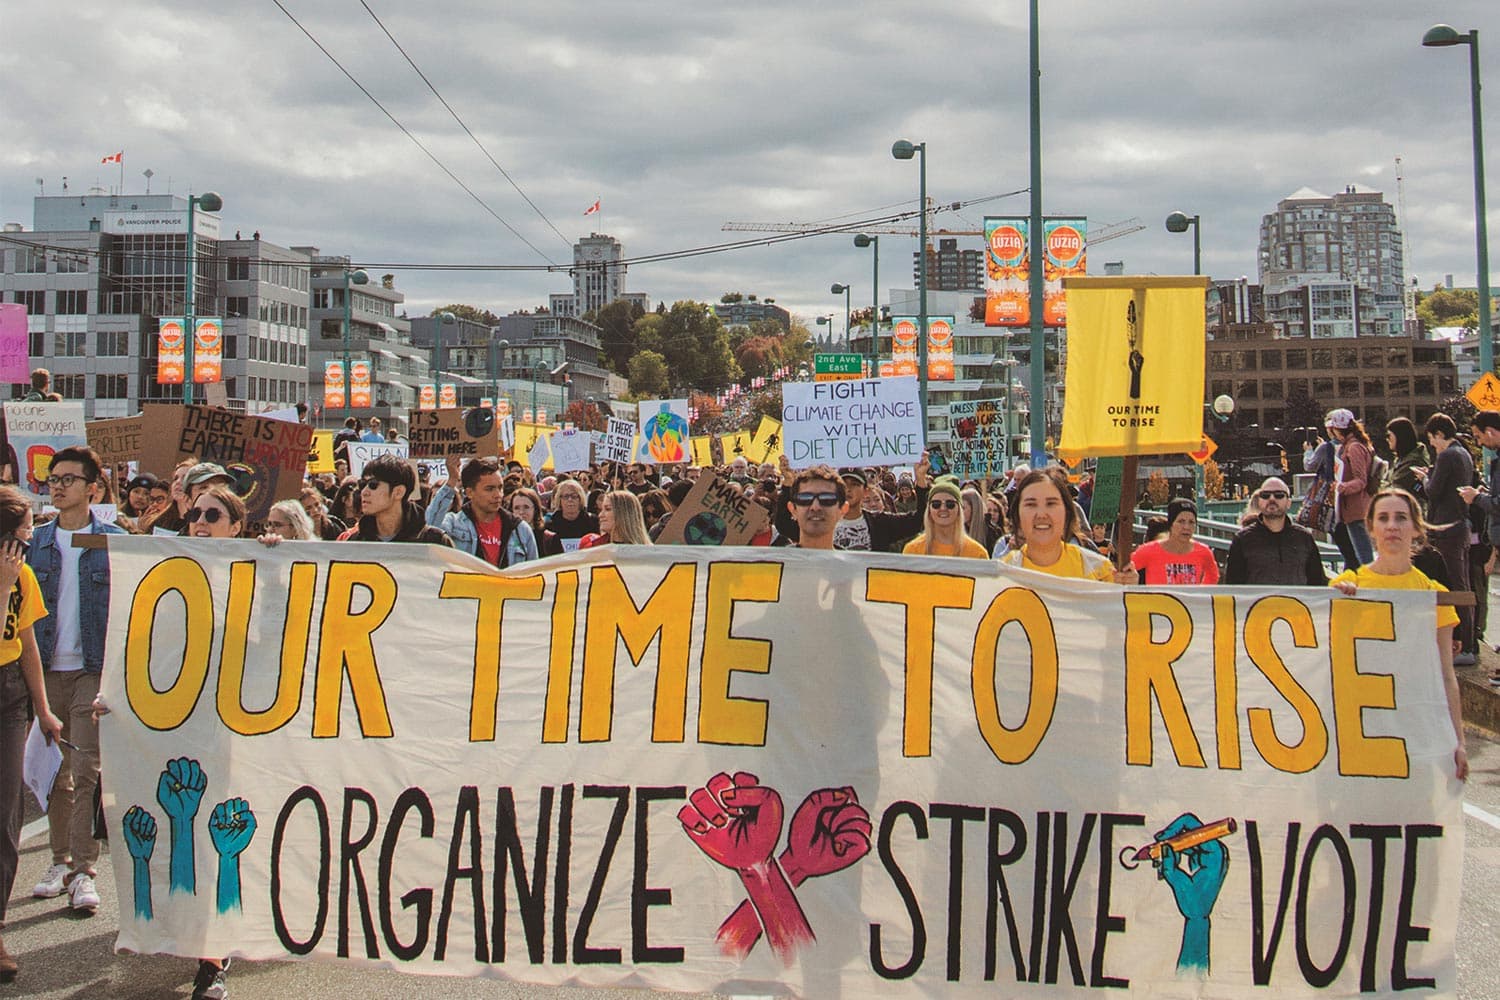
592,208
116,158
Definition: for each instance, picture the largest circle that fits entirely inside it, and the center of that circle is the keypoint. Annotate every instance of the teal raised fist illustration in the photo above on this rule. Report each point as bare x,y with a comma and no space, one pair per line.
139,828
180,790
1195,874
230,826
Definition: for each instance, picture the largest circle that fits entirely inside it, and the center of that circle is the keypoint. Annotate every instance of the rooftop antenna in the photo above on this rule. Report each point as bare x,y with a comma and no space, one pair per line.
41,187
149,173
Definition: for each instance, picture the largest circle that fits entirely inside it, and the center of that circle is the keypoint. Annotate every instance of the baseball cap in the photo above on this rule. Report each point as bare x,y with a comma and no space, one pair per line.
1338,419
858,475
144,481
205,472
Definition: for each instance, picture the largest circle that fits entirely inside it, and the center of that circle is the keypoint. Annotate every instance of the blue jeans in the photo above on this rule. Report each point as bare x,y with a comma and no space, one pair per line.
1354,544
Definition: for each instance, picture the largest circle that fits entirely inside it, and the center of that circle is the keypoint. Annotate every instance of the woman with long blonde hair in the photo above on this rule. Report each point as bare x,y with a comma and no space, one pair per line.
943,531
621,521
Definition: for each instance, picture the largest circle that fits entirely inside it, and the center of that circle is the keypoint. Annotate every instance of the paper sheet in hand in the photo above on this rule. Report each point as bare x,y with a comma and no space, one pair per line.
41,764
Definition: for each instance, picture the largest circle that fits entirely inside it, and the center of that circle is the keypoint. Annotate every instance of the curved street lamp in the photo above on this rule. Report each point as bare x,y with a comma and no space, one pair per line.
863,240
903,149
1178,222
359,277
1443,36
838,289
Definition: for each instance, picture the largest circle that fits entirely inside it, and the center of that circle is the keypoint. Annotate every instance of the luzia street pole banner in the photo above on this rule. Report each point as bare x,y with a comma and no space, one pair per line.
777,771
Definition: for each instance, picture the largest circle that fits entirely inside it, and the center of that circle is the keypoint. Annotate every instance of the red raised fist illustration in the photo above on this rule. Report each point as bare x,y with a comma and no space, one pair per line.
735,821
830,831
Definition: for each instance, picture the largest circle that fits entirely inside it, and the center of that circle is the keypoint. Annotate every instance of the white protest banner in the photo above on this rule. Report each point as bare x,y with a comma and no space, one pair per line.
820,774
858,422
539,455
361,452
286,413
36,432
618,440
976,441
570,450
664,431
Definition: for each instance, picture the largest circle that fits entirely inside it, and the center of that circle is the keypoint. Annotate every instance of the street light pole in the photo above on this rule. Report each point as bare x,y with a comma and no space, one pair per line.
1038,256
211,202
536,373
1178,222
497,365
863,240
359,278
1440,35
904,150
443,318
838,289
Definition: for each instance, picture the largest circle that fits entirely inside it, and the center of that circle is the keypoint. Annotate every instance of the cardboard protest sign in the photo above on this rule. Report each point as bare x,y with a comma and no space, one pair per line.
618,438
924,732
571,450
664,432
117,440
715,512
320,453
976,437
453,433
361,452
35,432
853,423
539,458
1135,366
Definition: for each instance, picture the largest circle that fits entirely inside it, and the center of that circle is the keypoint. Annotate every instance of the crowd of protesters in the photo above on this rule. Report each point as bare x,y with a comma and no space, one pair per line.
1421,520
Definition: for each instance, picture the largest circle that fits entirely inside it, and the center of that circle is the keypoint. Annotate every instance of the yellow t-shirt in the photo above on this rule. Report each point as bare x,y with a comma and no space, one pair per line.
1413,579
22,609
969,550
1076,564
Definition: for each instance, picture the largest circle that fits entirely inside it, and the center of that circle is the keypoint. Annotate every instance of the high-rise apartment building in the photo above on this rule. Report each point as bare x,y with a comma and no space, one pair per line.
598,278
950,269
1348,241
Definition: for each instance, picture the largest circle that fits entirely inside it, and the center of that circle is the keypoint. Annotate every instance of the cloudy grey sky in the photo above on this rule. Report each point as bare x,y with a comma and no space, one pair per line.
681,116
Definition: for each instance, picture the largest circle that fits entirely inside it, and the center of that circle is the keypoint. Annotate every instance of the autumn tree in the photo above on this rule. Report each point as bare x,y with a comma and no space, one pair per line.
708,408
584,415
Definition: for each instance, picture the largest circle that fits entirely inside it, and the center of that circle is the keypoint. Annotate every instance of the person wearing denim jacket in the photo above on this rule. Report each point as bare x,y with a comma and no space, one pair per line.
70,641
482,481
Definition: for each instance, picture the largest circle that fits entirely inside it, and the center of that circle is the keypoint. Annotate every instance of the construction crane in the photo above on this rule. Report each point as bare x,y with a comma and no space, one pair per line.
1099,234
1408,288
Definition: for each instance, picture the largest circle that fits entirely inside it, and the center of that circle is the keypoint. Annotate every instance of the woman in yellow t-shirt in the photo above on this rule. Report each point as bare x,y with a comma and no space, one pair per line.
943,531
1045,518
21,687
1395,524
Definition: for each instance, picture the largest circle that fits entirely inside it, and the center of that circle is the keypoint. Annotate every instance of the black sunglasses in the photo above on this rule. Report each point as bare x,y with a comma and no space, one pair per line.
209,515
1272,494
943,504
822,499
370,484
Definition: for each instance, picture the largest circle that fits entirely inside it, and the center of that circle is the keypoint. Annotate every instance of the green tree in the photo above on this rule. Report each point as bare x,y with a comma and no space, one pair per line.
617,338
468,312
695,345
649,376
728,298
1449,307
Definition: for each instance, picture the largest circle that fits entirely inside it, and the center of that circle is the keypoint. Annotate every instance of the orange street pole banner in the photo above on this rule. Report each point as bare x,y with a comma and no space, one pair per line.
171,351
904,345
940,348
1135,366
208,349
333,386
777,771
359,385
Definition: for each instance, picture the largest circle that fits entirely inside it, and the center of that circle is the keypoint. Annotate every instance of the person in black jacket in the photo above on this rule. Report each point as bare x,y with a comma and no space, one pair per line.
1271,550
389,516
859,529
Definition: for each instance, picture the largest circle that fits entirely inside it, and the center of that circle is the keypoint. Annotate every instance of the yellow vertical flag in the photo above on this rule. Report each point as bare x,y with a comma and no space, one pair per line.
737,444
703,451
1135,366
766,445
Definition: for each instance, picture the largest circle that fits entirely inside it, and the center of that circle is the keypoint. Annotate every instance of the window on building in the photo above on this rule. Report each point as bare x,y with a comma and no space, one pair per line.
30,261
237,269
1271,389
1375,416
1395,357
1374,388
1424,385
112,386
1296,359
69,345
1347,358
71,263
1398,387
1372,357
113,344
1245,361
71,386
231,346
1296,387
72,302
1348,386
237,305
34,299
1247,390
36,344
1322,359
1270,360
1447,384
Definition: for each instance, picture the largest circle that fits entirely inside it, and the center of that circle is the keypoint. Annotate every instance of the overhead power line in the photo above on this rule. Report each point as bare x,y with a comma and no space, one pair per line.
412,63
408,133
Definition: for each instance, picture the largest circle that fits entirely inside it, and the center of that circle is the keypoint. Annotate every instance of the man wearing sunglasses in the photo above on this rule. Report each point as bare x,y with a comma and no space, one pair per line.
389,515
859,530
816,501
70,639
1271,550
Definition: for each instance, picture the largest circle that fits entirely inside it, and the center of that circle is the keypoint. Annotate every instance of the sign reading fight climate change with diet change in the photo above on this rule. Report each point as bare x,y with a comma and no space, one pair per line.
857,422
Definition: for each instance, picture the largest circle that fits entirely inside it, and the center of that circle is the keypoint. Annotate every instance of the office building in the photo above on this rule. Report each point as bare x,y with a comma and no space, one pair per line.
97,272
747,311
599,275
550,340
950,269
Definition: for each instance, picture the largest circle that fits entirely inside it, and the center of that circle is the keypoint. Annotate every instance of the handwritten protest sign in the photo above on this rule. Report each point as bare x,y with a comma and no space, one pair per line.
1189,793
571,450
539,457
361,452
715,512
37,431
617,441
853,423
118,440
976,442
664,431
455,433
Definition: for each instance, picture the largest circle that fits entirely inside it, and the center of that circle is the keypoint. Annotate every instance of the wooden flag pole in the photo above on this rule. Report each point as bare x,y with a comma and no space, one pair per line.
1125,522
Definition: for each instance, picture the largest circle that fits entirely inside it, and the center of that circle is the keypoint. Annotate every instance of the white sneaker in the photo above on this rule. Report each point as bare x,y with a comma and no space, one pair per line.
51,885
82,895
